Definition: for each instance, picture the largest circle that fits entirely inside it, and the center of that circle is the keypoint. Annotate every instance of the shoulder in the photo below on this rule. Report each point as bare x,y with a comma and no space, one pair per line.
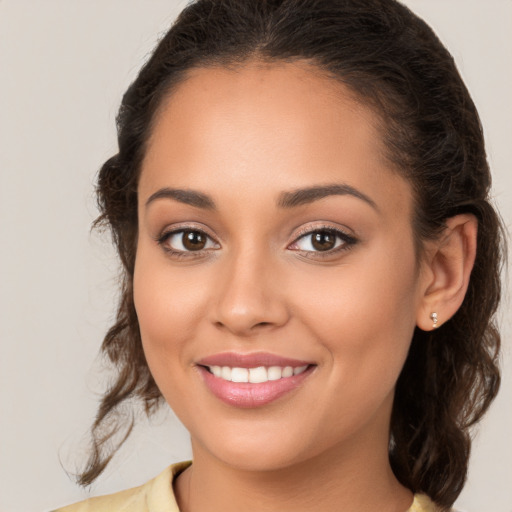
422,503
156,495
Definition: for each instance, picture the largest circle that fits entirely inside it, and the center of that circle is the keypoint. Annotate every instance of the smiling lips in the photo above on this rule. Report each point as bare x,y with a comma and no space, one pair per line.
252,380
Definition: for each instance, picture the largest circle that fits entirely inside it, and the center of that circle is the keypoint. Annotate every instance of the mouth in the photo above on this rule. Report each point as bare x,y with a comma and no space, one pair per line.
256,375
252,380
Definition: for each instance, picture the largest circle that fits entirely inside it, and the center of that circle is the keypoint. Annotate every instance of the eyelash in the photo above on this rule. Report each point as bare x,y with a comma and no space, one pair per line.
178,254
347,241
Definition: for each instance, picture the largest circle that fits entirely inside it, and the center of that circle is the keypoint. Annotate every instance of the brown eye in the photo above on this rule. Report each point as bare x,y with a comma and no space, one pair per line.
323,240
193,240
186,241
328,241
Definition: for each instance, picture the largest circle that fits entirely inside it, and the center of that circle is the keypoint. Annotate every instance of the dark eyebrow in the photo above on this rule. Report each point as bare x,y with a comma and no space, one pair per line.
289,199
307,195
190,197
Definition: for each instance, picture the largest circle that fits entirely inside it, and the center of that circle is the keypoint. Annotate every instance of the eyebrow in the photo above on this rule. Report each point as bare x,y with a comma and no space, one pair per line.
308,195
191,197
291,199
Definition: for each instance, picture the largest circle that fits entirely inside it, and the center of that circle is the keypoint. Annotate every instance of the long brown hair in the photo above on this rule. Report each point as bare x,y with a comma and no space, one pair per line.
393,61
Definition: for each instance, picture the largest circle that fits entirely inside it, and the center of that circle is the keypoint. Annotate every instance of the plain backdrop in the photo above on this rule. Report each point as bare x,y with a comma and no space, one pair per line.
64,65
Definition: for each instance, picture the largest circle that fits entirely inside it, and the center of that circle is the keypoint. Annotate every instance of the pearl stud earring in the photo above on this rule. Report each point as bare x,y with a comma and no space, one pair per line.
433,317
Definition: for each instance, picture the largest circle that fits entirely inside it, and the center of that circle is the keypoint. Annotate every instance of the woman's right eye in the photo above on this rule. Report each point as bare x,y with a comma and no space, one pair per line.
186,240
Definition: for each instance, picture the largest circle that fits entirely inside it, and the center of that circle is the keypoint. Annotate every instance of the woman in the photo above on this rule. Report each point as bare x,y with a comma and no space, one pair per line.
300,203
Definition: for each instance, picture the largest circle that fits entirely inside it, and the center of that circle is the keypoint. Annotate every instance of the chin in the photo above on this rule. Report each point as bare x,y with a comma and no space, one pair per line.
257,453
258,461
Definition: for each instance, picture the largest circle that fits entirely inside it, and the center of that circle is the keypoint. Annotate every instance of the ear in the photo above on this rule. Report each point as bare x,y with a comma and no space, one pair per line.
446,271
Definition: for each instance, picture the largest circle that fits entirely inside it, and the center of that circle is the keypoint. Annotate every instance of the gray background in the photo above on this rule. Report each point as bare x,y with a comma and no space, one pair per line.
64,65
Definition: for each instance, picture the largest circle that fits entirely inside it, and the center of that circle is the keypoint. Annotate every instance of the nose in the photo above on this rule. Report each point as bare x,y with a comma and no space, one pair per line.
251,296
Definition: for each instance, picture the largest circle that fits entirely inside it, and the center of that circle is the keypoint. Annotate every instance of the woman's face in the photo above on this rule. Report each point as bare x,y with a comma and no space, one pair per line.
276,249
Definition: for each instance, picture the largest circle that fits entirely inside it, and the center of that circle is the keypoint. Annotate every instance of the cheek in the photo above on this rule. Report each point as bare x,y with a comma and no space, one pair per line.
169,306
365,314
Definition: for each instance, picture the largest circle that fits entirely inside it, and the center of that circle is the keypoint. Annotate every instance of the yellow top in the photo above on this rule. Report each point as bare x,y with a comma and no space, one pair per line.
157,496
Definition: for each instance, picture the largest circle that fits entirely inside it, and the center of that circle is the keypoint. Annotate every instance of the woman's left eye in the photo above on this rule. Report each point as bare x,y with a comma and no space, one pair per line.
323,240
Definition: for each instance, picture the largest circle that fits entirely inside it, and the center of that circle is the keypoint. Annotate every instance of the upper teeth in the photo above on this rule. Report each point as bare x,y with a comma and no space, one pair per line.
255,375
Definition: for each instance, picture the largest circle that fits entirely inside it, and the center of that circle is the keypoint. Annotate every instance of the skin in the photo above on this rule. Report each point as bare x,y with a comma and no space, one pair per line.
243,138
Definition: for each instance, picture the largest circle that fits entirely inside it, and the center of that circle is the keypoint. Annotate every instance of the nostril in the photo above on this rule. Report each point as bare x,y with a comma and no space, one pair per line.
240,329
247,318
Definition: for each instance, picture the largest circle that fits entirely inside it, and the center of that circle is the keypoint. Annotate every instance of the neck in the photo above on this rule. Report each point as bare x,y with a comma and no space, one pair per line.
353,477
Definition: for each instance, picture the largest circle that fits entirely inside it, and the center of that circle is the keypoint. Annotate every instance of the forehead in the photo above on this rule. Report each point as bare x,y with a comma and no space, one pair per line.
290,101
284,124
264,82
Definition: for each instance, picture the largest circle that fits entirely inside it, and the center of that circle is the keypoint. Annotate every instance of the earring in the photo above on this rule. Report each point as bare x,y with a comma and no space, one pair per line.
433,317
